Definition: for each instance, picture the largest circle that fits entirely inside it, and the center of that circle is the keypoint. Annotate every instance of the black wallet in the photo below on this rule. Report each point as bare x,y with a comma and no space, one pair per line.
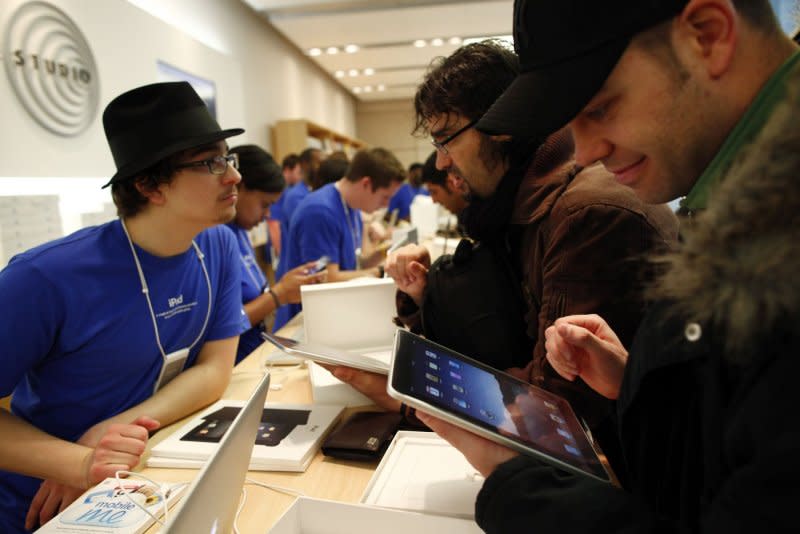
365,436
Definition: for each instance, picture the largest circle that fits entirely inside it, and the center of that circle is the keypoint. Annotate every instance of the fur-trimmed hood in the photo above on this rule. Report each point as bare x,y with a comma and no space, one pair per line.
738,269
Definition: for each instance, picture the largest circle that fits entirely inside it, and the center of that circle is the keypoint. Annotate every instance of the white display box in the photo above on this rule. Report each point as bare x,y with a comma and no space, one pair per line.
422,472
354,316
291,446
317,516
424,214
327,389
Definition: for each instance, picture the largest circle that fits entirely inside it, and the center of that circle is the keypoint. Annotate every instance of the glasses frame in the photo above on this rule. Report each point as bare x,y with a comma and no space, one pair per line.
230,160
441,145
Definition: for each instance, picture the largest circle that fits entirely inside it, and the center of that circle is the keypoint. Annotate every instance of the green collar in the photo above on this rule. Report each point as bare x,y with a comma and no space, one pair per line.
745,130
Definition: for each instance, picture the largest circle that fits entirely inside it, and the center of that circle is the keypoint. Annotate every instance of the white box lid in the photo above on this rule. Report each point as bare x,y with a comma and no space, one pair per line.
420,471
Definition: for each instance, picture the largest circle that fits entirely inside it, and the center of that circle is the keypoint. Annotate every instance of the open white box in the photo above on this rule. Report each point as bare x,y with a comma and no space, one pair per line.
317,516
422,472
355,316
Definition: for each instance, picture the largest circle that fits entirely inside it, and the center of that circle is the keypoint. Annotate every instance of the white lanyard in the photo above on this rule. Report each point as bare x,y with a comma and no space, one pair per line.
146,291
356,242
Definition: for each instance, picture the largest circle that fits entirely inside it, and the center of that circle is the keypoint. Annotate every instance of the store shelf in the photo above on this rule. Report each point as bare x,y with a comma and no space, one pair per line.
295,135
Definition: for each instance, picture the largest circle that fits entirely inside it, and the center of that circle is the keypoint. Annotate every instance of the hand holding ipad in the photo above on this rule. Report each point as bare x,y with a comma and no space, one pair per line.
328,355
492,404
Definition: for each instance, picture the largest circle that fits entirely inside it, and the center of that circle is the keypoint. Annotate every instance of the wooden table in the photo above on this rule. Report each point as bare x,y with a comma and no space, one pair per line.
325,477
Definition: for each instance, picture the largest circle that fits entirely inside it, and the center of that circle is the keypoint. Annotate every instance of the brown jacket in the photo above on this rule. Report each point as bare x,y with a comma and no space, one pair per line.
582,240
583,249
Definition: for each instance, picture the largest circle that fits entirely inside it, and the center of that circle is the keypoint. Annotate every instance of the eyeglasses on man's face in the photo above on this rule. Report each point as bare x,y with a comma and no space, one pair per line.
441,145
216,165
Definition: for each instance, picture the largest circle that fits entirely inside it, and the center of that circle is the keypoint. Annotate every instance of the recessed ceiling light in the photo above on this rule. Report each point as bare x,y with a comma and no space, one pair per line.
437,42
356,90
340,74
368,89
314,52
369,71
353,72
419,43
381,87
351,49
332,50
454,41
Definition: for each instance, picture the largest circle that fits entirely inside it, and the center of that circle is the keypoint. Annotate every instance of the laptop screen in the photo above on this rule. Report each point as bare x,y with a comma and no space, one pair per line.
211,501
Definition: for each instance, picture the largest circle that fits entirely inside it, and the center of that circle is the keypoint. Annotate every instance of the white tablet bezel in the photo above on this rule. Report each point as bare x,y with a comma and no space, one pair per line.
326,355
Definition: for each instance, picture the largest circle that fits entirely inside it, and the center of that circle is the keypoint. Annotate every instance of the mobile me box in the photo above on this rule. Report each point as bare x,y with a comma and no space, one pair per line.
317,516
355,316
421,472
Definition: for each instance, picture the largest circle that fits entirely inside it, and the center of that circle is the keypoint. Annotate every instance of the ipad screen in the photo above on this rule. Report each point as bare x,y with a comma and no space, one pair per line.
523,413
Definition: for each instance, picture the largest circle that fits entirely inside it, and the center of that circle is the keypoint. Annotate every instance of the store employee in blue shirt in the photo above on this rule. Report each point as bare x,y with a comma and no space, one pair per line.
402,199
110,332
328,221
262,184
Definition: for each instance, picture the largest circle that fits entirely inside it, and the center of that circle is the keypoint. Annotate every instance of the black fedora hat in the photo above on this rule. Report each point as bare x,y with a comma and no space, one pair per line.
149,123
567,49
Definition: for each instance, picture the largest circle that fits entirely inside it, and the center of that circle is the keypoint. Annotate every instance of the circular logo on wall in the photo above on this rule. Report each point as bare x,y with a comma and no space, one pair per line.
51,68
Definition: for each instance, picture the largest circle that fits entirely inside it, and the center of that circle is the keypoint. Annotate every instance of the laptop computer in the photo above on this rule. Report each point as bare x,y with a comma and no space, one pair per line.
355,316
210,503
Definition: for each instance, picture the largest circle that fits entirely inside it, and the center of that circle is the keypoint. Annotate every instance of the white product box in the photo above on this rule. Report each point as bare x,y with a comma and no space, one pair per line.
422,472
355,316
327,389
287,441
317,516
424,215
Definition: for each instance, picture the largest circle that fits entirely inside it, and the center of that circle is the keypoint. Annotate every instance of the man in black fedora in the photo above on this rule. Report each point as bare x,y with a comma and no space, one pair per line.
117,329
697,99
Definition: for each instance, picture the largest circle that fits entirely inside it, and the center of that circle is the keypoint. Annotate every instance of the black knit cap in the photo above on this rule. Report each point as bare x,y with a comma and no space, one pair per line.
567,49
149,123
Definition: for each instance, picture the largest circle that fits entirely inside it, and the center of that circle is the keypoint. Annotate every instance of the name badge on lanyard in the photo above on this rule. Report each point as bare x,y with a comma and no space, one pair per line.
171,367
172,364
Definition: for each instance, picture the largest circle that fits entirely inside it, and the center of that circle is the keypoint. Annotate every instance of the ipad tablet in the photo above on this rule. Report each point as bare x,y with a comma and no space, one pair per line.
328,355
492,404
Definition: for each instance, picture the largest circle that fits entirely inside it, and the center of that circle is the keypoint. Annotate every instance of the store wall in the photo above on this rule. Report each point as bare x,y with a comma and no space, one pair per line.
260,78
388,124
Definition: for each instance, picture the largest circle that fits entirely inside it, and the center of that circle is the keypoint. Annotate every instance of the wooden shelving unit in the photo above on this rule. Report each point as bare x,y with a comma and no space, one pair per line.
295,135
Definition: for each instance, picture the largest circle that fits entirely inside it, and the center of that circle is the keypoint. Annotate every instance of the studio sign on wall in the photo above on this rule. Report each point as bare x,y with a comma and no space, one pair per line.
51,68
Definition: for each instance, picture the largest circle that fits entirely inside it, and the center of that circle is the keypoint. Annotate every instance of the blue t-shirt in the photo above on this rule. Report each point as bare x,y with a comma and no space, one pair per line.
253,284
77,337
318,228
401,200
291,199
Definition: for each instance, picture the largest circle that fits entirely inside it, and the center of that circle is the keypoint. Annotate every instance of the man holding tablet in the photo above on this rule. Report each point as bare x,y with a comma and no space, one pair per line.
694,98
328,221
552,238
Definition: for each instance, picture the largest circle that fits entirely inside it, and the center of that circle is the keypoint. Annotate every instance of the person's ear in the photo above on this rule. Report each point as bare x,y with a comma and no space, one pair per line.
710,30
366,183
154,195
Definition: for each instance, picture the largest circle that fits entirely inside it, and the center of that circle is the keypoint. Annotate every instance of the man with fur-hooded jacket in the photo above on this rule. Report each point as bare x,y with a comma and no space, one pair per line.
707,396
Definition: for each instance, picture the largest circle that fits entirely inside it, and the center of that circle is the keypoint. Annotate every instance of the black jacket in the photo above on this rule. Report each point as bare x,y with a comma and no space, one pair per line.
709,404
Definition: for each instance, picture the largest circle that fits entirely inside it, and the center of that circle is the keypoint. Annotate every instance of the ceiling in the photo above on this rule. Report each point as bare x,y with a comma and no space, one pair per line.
391,42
